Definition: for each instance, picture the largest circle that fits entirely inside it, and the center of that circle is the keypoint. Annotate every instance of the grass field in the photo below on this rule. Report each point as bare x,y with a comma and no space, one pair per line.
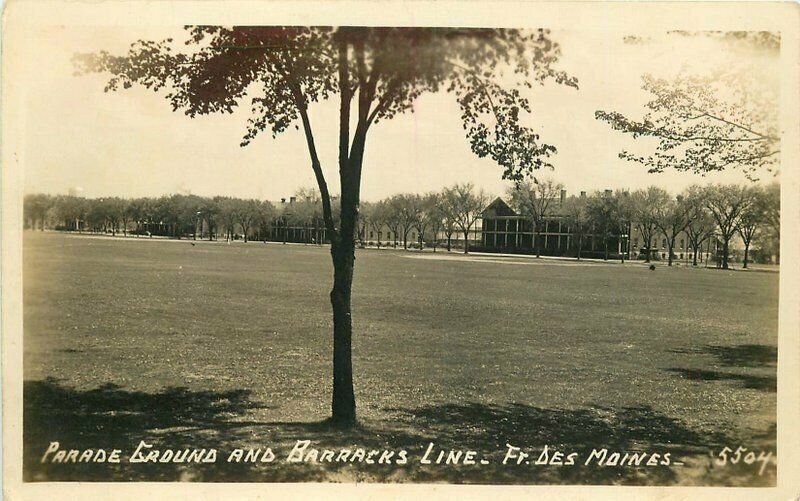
227,346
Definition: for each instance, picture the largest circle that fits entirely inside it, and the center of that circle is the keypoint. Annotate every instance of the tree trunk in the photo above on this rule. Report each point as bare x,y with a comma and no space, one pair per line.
343,404
694,256
448,241
466,241
746,249
538,237
669,254
725,254
580,246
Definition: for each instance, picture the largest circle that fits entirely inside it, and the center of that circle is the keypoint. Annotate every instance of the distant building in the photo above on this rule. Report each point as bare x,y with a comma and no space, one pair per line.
504,230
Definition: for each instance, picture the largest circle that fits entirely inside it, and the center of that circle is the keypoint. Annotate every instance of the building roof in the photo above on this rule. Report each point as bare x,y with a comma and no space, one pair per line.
498,208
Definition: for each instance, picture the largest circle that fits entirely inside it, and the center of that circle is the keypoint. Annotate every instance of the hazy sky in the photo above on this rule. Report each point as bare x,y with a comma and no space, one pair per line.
130,143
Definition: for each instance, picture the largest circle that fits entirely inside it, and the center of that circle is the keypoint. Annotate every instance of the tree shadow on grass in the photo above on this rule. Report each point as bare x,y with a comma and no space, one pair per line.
743,355
761,383
746,355
753,357
110,417
177,418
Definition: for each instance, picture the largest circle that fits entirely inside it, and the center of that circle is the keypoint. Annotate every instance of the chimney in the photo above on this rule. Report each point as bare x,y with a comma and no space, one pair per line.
583,194
283,201
563,196
608,192
292,199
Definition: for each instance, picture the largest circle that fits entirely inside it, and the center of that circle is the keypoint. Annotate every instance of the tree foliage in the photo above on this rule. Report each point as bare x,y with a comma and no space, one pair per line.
725,118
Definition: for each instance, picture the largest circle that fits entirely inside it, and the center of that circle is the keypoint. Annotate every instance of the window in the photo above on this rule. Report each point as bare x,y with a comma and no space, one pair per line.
370,234
681,246
664,243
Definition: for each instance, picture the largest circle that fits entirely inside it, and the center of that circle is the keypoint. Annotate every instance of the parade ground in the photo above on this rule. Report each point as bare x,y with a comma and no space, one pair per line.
196,344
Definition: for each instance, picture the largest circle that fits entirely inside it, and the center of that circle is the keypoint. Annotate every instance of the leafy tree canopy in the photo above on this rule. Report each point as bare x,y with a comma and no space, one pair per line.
287,68
713,120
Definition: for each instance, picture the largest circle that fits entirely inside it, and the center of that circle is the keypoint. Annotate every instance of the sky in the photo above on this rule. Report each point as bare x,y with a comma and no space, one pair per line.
129,143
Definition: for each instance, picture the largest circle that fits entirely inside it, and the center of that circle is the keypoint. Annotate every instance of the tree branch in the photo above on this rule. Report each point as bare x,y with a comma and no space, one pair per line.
383,101
316,166
344,105
751,131
748,159
483,83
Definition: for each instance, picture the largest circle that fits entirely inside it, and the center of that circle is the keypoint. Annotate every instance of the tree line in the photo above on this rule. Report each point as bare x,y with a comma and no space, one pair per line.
718,212
702,214
173,215
454,209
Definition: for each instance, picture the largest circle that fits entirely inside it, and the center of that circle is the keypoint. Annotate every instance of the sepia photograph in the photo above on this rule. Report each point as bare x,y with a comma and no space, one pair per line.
397,251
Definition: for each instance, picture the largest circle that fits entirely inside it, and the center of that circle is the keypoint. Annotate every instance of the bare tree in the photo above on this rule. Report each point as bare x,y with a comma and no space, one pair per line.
752,218
645,204
536,199
465,206
622,212
601,211
672,218
35,207
448,222
701,224
769,237
393,221
432,217
375,214
403,205
727,203
577,212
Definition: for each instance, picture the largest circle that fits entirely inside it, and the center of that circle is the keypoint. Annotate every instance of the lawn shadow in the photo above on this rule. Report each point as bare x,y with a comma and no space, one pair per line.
743,355
178,418
491,429
760,383
758,357
111,417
